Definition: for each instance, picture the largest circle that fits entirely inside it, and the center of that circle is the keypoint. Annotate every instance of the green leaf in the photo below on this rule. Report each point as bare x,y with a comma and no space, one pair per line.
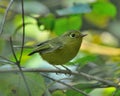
101,13
104,8
60,25
58,93
75,22
117,93
103,92
12,84
64,24
47,21
73,93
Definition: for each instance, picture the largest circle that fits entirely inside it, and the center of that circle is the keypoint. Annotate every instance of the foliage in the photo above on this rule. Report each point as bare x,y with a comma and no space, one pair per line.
99,55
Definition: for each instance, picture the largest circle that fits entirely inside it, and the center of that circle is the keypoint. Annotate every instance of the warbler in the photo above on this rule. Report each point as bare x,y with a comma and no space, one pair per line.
60,50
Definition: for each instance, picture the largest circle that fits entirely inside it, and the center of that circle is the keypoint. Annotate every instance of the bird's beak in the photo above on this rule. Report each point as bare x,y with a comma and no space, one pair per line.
83,35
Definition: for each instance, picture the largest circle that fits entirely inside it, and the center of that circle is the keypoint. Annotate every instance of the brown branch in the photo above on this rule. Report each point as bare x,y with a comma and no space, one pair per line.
5,15
58,81
107,82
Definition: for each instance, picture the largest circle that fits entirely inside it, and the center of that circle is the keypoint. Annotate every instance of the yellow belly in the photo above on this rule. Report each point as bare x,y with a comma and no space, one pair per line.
60,56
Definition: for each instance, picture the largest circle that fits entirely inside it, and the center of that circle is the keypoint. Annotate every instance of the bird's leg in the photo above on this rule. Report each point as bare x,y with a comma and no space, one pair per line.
66,68
56,67
69,71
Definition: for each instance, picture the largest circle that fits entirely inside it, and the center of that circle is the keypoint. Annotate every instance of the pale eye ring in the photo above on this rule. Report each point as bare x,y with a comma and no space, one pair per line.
72,35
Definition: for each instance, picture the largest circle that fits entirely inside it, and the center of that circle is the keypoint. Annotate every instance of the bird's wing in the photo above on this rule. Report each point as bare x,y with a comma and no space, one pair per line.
46,47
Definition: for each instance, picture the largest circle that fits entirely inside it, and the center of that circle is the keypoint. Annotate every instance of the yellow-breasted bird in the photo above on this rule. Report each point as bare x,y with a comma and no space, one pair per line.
62,49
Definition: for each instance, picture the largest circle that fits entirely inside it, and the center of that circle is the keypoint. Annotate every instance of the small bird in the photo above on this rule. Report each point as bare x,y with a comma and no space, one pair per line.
60,50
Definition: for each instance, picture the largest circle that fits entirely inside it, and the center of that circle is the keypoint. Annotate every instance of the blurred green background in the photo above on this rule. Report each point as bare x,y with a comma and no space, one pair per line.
44,19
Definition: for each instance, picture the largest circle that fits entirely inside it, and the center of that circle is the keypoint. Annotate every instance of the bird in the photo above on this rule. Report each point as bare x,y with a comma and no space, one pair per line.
61,49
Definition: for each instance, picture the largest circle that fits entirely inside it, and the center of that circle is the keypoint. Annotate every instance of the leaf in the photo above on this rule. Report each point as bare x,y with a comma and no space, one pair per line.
101,15
73,22
12,84
73,93
117,93
47,21
109,9
58,93
103,91
61,26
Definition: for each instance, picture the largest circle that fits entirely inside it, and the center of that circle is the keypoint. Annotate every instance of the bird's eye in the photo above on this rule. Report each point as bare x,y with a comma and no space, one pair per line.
72,35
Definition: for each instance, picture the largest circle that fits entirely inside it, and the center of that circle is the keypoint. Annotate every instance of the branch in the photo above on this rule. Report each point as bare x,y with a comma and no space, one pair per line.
4,17
58,81
107,82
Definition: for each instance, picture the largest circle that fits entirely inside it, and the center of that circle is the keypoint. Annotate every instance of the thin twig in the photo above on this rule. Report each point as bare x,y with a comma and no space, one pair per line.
29,47
18,64
23,36
4,7
23,40
58,81
107,82
11,44
5,15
